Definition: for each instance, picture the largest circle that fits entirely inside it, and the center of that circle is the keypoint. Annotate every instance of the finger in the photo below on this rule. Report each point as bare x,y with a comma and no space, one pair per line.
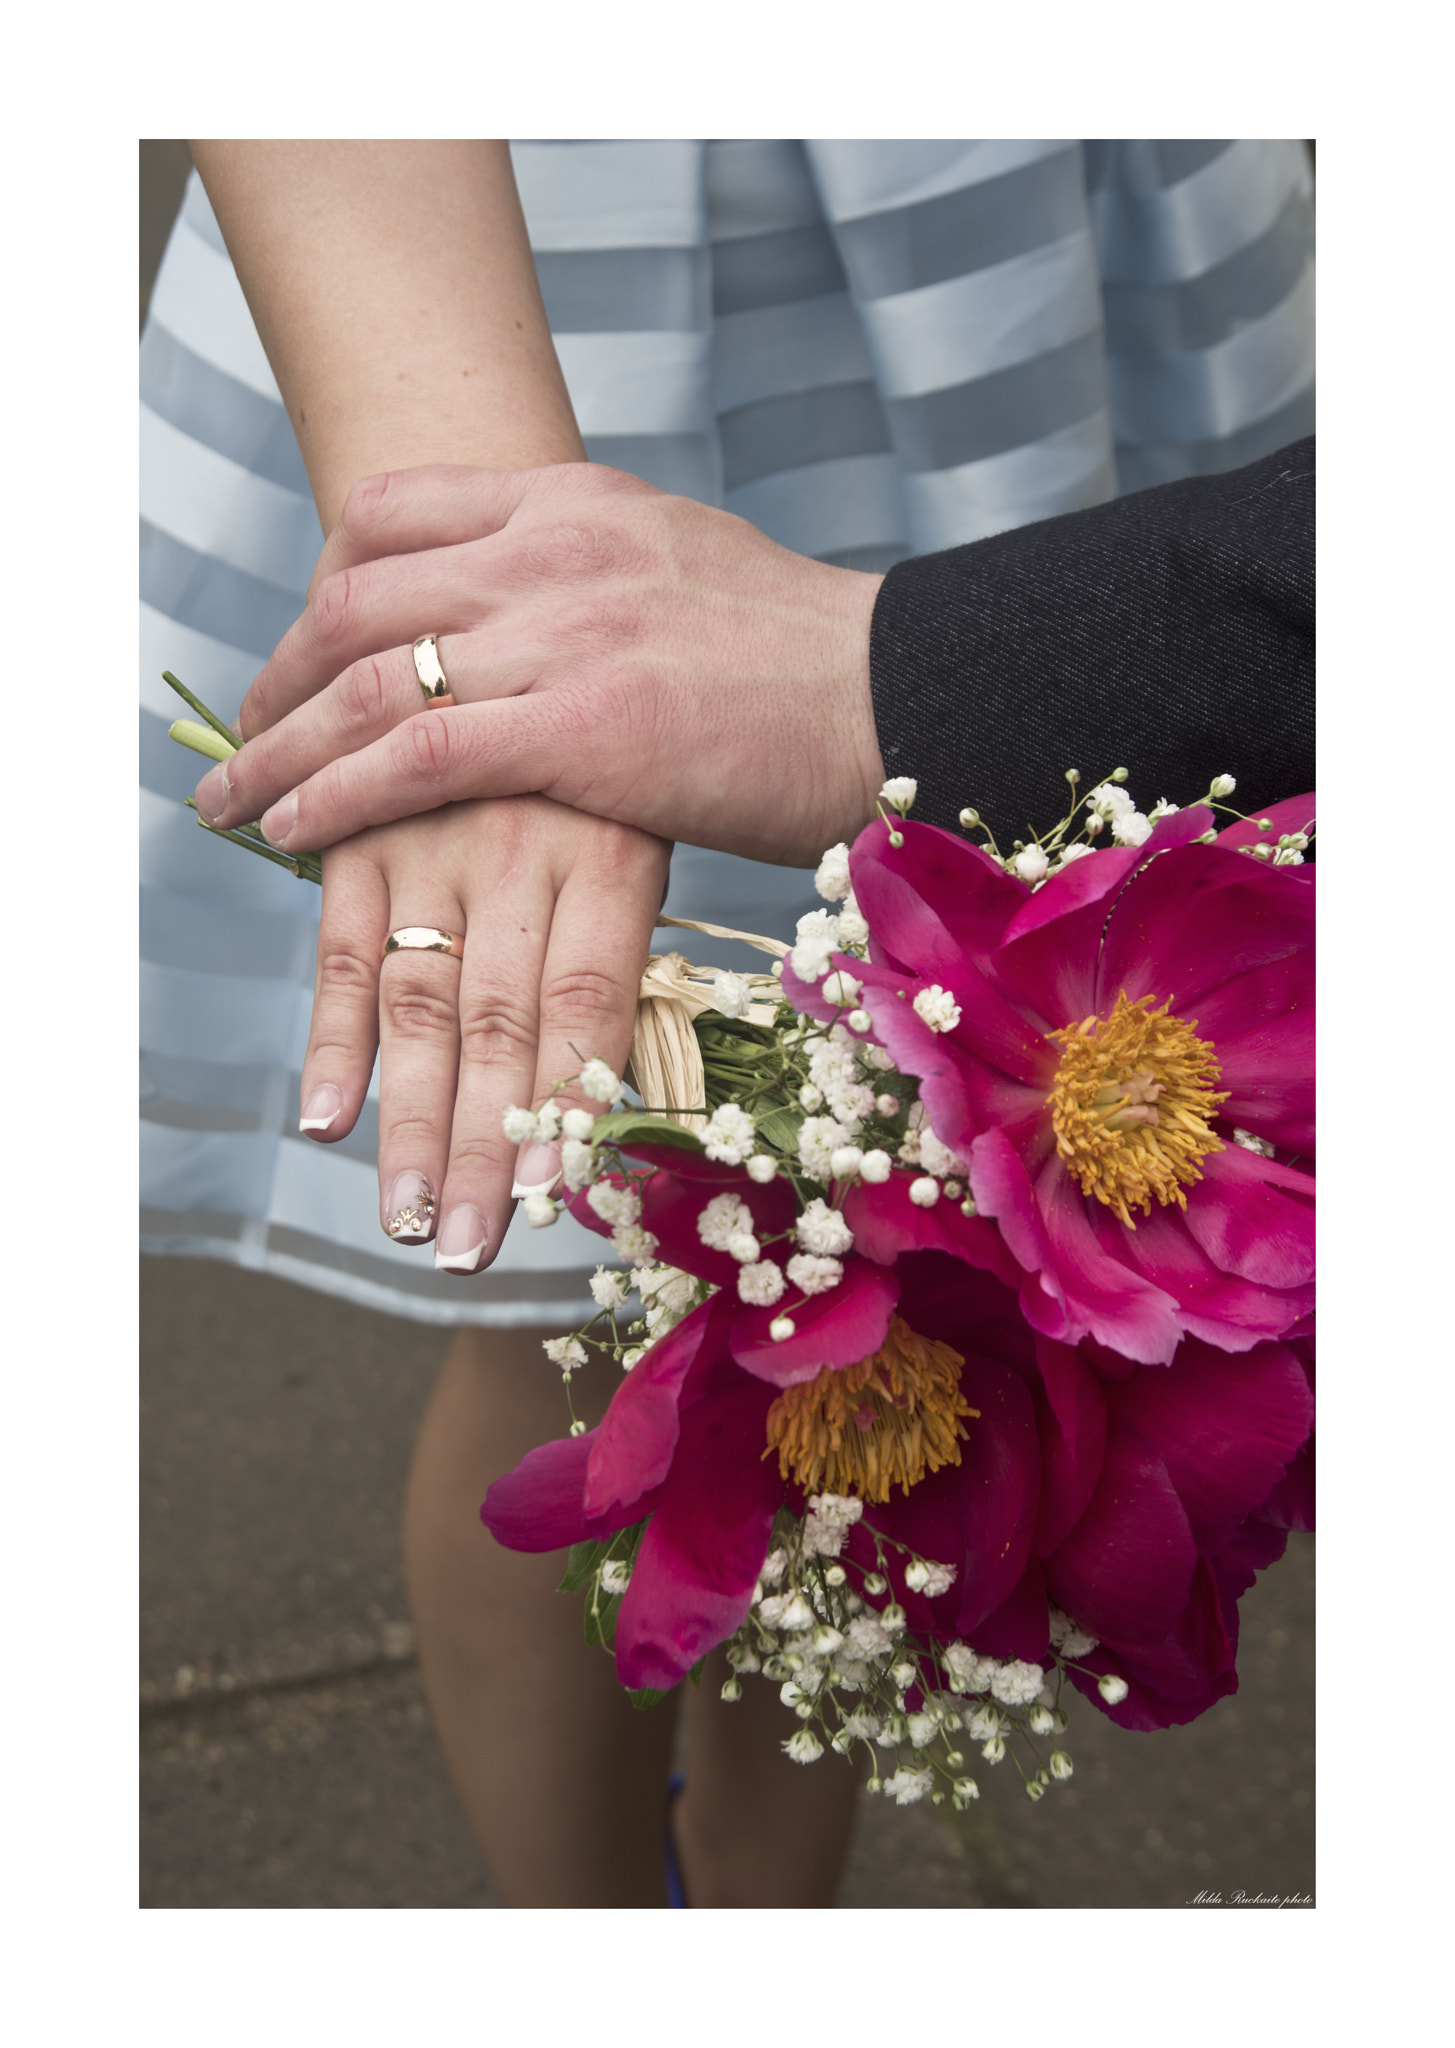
343,1034
365,610
600,935
523,744
499,984
419,1040
368,700
407,511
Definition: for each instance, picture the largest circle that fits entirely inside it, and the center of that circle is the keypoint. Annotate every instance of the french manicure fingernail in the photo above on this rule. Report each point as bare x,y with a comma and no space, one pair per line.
536,1171
461,1240
277,823
322,1106
213,794
409,1211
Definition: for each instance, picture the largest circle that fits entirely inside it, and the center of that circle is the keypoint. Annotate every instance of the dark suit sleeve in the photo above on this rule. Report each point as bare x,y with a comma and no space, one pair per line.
1170,632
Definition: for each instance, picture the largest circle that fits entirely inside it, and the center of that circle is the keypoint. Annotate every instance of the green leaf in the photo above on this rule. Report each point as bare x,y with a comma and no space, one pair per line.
695,1674
781,1128
585,1561
648,1697
625,1126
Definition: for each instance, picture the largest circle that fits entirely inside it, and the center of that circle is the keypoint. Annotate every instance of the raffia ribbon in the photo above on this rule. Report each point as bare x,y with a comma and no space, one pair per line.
666,1060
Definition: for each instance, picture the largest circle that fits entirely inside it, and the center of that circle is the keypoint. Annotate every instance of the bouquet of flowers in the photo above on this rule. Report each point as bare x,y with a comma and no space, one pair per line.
963,1292
966,1314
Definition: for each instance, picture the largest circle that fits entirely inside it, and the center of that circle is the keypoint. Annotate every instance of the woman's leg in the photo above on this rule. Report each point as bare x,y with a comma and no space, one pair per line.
752,1827
562,1780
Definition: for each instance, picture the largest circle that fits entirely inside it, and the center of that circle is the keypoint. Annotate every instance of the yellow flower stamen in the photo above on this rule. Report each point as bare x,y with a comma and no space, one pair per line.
1132,1103
860,1429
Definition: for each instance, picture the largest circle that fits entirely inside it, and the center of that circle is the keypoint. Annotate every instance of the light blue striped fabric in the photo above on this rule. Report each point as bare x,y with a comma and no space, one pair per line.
869,349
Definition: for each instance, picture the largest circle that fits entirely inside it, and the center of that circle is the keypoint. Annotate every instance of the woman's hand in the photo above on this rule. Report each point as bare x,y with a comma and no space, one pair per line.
635,655
556,912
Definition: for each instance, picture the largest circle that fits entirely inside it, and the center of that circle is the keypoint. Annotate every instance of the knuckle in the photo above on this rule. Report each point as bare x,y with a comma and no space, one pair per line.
334,608
344,972
417,1011
585,996
362,696
365,506
496,1026
424,746
570,550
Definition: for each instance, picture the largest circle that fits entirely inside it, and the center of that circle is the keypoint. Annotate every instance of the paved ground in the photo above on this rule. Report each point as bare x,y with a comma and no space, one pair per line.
287,1757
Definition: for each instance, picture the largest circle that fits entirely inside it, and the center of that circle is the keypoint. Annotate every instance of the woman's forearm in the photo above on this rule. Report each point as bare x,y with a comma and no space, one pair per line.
393,288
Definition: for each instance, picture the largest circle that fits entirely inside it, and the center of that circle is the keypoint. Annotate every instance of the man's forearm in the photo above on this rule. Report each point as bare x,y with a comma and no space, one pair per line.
393,288
1170,632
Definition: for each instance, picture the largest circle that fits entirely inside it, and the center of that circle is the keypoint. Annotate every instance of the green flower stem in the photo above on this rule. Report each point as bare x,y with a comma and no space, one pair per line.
200,738
208,717
306,866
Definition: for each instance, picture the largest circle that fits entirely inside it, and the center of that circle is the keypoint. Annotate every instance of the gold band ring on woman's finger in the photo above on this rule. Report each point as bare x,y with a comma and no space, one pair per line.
423,938
432,679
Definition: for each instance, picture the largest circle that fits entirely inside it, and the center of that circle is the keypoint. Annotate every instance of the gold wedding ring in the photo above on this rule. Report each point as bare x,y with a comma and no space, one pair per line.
432,678
423,938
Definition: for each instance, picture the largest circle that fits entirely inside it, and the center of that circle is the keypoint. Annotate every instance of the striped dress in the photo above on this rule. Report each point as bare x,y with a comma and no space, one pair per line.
868,349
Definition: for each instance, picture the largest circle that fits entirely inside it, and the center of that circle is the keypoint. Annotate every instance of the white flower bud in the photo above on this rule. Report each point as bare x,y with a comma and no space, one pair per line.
519,1125
633,1357
1060,1764
791,1693
743,1247
798,1613
887,1105
874,1584
810,1098
832,879
924,1192
899,792
1222,785
844,1160
1120,775
540,1211
781,1327
1042,1721
903,1675
731,993
842,989
578,1429
875,1167
993,1750
965,1789
616,1576
761,1168
892,1618
804,1710
835,1575
969,817
859,1021
600,1083
967,1207
1031,864
732,1690
567,1352
1113,1689
937,1007
804,1748
742,1658
548,1122
1035,1789
578,1124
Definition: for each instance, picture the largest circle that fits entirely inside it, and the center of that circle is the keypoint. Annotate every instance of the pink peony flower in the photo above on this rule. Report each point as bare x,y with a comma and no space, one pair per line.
1140,1500
1090,1047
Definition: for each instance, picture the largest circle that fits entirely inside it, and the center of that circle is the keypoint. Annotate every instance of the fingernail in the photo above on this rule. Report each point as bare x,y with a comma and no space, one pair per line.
277,823
322,1106
213,794
236,729
409,1211
461,1241
536,1171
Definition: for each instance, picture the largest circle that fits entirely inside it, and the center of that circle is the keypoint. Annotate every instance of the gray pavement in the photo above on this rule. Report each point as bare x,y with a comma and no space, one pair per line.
287,1755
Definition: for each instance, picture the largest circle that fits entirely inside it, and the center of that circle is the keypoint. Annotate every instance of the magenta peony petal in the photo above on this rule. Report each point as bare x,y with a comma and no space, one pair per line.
838,1328
1193,920
1180,1677
539,1505
1049,952
885,1223
1262,1027
1020,1626
1234,1314
1073,1422
999,1481
1125,1569
694,1574
1225,1427
1255,1218
632,1450
1104,1295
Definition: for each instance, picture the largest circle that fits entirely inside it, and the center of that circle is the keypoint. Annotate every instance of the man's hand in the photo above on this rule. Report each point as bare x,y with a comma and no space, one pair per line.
640,657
